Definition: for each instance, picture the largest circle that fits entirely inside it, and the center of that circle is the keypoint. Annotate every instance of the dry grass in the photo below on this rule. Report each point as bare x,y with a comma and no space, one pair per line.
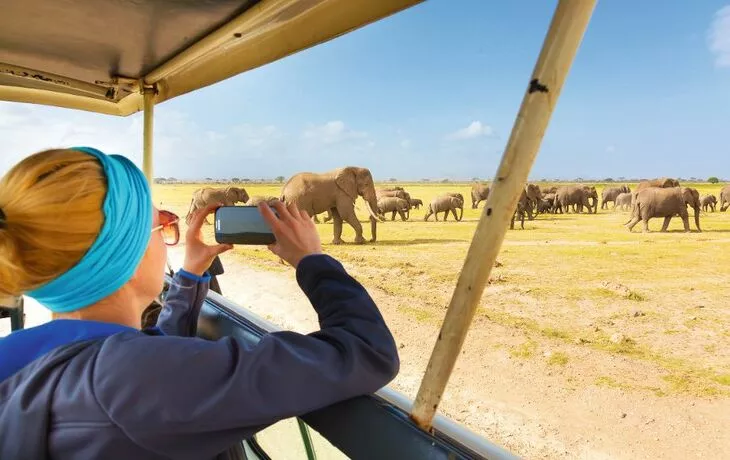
576,279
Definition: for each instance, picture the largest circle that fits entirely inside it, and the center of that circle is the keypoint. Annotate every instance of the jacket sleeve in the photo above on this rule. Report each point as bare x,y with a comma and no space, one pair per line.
184,299
191,398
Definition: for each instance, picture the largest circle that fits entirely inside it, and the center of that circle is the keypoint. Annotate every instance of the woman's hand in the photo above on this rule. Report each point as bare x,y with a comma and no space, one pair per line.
296,235
198,255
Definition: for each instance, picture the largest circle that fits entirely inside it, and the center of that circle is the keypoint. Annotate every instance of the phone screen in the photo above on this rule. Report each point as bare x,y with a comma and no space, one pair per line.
242,225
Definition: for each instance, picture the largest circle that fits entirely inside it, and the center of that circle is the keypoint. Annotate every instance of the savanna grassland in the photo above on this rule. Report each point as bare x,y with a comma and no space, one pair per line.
580,315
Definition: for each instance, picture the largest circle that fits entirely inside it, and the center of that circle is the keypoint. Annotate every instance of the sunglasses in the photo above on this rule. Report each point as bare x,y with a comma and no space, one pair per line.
169,226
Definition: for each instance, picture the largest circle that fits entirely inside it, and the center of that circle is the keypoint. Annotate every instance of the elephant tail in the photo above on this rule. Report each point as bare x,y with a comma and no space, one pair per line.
634,211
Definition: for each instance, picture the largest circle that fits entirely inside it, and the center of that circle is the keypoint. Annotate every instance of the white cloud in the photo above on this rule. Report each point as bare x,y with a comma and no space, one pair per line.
332,132
719,37
474,130
610,149
406,143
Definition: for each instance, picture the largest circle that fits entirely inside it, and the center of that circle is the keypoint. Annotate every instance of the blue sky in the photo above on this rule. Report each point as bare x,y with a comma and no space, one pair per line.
433,92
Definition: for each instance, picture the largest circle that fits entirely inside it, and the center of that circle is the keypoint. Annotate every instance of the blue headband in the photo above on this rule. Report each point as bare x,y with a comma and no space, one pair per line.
113,258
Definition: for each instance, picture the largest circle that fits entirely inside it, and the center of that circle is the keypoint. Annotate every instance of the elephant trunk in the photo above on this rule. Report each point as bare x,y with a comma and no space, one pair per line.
461,216
373,229
697,216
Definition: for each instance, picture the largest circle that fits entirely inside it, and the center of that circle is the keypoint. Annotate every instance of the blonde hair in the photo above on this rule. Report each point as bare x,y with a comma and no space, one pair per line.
52,203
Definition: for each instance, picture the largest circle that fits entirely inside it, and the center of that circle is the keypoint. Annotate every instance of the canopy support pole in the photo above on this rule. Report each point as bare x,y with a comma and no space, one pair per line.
568,25
148,93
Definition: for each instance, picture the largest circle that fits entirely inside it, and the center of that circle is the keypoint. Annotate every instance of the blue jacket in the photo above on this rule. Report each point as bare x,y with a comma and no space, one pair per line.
84,389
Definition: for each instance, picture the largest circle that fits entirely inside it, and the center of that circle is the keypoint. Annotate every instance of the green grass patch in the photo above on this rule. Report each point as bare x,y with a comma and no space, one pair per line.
524,350
558,359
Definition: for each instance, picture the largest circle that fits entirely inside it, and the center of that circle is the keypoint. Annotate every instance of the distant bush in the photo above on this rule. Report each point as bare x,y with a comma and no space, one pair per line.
713,180
393,179
280,179
608,179
445,181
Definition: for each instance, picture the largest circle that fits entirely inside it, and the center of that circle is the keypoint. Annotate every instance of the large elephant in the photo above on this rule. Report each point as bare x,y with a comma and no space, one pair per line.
204,197
534,195
445,204
708,202
578,195
623,200
461,198
609,194
666,203
335,191
479,193
394,205
725,198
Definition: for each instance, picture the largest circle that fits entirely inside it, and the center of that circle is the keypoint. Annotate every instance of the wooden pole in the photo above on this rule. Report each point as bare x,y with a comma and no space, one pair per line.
147,135
559,48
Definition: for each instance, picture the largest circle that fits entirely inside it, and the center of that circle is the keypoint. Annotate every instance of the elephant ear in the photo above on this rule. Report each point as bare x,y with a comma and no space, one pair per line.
346,180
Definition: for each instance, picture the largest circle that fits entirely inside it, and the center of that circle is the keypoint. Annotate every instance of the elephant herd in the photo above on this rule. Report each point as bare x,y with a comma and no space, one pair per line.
336,191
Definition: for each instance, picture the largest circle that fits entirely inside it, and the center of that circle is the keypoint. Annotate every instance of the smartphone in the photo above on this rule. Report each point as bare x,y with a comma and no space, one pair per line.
242,225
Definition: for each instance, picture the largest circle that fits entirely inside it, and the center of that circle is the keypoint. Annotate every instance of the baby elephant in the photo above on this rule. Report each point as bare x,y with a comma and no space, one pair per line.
623,201
394,204
416,203
708,201
255,200
445,204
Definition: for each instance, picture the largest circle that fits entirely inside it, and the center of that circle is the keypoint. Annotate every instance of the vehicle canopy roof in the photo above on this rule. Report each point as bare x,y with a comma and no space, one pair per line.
95,55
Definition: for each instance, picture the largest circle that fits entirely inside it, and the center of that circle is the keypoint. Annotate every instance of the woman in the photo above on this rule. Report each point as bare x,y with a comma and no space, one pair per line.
78,232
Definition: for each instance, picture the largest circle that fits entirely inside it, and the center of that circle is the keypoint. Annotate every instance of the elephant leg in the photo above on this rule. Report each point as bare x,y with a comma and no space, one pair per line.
645,221
632,223
665,225
315,219
349,216
392,216
428,214
402,215
336,227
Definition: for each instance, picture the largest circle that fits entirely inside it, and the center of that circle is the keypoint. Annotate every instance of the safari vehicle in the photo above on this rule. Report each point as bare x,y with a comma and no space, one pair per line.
117,58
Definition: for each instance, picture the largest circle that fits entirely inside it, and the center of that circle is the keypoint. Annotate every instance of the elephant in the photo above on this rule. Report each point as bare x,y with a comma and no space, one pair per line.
524,206
416,203
479,193
255,200
445,204
623,200
549,190
461,198
204,197
335,191
664,202
725,198
610,194
398,192
394,204
578,195
708,202
663,182
533,195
